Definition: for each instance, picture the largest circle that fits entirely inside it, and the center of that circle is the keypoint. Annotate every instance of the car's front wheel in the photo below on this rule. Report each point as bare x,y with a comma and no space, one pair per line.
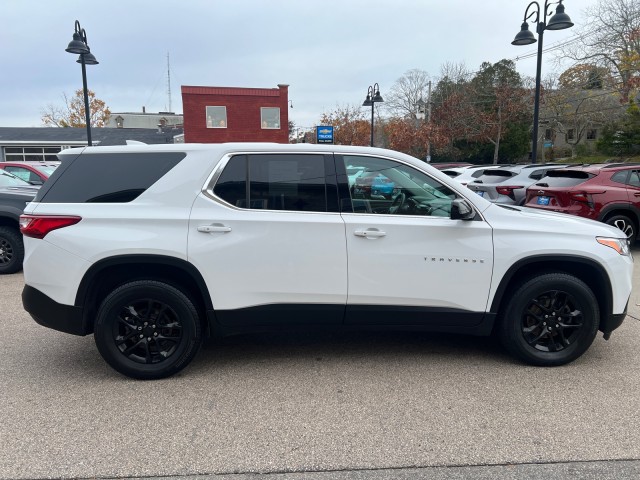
550,320
147,329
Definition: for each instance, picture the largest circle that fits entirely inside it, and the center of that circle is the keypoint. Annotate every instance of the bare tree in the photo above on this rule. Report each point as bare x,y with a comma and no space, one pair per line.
71,113
403,96
610,39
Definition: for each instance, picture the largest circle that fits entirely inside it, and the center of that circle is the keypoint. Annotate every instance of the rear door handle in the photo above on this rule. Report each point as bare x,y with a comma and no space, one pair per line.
370,233
214,228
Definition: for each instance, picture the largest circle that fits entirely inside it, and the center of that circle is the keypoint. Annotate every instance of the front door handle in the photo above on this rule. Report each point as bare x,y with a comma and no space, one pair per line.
214,228
370,233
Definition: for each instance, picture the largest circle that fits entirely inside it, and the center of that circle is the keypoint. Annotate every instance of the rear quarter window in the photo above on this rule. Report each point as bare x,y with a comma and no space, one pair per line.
106,177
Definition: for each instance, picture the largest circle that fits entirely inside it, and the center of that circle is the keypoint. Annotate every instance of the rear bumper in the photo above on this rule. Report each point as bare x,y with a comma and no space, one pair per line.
51,314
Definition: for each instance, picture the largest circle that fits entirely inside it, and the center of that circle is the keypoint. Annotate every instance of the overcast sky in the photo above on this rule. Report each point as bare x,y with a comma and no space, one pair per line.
328,51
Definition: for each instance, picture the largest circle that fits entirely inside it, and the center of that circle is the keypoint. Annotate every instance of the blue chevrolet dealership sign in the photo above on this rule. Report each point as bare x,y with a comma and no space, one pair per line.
324,134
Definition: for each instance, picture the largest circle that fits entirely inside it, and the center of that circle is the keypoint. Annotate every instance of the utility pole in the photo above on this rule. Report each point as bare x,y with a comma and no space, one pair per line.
169,82
429,123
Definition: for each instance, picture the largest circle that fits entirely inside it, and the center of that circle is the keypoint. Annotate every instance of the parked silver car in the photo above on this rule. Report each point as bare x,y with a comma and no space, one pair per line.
464,175
508,185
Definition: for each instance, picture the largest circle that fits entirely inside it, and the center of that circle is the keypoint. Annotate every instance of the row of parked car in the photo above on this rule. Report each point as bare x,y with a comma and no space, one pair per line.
608,192
19,183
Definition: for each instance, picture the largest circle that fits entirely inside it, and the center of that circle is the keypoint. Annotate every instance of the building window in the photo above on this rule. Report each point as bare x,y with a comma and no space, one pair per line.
591,134
270,117
31,154
216,117
570,134
547,134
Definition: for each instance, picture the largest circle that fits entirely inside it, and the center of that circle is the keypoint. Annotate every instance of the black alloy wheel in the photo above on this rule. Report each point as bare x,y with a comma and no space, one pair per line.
549,320
552,321
11,250
147,329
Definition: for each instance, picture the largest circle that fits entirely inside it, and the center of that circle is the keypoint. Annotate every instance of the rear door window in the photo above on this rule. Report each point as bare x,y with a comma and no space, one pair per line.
292,182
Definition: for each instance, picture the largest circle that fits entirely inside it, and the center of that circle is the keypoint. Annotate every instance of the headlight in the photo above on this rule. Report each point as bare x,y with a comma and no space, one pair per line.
620,245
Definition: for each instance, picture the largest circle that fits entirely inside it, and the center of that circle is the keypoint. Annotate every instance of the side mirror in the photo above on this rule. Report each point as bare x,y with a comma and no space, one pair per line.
461,210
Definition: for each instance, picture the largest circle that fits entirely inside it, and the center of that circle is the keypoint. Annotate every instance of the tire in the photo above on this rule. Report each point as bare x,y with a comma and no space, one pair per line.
11,250
625,224
529,331
147,330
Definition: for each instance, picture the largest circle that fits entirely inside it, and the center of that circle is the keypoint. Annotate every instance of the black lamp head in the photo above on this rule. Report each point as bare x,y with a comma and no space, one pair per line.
560,20
77,45
524,36
367,101
89,59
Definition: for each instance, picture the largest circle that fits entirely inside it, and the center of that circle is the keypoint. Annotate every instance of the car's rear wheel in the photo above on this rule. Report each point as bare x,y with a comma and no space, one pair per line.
147,329
550,320
11,250
625,224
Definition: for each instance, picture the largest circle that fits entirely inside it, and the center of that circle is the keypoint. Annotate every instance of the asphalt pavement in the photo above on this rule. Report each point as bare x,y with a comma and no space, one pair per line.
331,406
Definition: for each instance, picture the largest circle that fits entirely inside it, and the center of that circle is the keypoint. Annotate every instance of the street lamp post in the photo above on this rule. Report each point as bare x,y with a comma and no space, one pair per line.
559,21
80,46
373,97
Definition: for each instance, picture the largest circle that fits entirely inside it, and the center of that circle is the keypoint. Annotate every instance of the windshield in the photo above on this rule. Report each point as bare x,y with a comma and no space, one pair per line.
46,169
9,180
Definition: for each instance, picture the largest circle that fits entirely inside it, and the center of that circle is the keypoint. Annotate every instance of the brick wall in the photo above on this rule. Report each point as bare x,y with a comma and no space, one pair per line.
243,114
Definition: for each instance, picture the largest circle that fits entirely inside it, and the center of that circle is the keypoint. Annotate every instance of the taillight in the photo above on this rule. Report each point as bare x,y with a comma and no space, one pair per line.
508,191
583,197
37,226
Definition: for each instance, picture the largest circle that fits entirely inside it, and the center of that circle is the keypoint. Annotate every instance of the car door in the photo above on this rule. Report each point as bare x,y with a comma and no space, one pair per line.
408,261
269,239
633,189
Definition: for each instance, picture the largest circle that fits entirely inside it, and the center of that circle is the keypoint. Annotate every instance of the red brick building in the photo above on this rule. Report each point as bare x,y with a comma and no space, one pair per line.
229,114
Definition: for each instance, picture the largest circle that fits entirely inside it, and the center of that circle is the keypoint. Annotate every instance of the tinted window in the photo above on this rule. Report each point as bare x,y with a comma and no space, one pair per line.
287,182
494,176
634,179
275,182
106,177
620,177
537,175
564,178
232,184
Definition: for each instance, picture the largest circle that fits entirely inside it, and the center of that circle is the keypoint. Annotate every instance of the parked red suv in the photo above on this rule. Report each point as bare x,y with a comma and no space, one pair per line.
608,192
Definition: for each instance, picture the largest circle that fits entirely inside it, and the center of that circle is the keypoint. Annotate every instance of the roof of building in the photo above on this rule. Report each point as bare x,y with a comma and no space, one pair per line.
240,91
101,136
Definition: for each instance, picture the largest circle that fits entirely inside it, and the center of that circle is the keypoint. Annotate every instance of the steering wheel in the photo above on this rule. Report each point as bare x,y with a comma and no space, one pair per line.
397,203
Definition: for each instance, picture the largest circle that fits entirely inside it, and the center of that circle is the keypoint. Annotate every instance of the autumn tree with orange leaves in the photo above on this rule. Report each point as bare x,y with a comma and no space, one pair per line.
71,113
350,125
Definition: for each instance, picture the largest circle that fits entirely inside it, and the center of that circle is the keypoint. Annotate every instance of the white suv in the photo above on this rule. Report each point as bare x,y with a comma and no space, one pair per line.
150,248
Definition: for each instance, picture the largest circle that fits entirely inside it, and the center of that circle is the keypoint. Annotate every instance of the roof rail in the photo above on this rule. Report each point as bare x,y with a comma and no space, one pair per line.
619,164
